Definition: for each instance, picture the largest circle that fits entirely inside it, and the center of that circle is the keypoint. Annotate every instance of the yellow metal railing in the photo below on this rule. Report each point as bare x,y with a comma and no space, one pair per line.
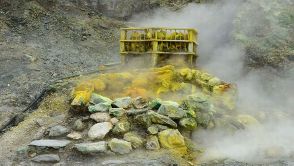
158,41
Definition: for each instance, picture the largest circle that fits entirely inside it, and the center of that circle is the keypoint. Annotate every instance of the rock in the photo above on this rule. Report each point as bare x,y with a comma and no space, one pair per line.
124,102
152,143
247,120
101,107
117,112
203,119
197,103
57,131
22,150
188,123
173,140
99,130
139,103
214,81
172,110
161,119
143,120
120,146
48,158
56,144
78,125
152,129
135,139
74,135
113,120
100,117
160,127
89,148
154,104
97,99
121,127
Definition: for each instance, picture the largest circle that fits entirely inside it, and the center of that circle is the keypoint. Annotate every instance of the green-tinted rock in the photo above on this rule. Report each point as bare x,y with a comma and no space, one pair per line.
124,102
152,129
161,119
135,139
197,103
143,120
101,107
117,112
121,127
171,109
120,146
203,119
161,127
154,104
96,99
152,143
88,148
78,125
188,123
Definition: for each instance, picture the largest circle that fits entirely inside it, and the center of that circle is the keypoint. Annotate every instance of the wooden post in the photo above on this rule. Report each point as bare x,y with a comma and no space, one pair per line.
122,47
154,51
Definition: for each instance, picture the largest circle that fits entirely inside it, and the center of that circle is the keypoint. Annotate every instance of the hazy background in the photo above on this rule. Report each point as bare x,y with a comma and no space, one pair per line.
262,92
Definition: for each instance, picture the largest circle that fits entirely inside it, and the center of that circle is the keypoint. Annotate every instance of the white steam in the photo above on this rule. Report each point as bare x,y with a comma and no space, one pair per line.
261,93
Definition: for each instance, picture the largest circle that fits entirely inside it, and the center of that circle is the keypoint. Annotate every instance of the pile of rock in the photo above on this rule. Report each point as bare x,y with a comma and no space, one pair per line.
121,125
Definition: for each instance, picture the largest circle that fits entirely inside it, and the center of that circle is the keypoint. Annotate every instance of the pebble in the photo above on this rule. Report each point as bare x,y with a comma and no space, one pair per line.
74,135
100,117
99,130
57,131
50,143
50,158
95,147
120,146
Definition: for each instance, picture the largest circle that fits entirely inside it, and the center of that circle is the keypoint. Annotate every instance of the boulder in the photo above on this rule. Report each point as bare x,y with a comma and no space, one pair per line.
152,143
188,123
197,103
46,158
79,125
173,140
99,130
50,143
135,139
161,119
57,131
139,103
124,102
101,107
97,99
143,120
89,148
117,112
100,117
171,109
120,146
152,130
74,135
121,127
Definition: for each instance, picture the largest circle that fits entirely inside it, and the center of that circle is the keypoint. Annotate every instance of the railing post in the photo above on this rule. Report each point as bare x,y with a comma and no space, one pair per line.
122,47
155,51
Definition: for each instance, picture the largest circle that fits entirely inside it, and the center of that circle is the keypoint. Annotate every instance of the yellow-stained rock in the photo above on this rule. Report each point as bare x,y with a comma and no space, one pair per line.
173,140
247,120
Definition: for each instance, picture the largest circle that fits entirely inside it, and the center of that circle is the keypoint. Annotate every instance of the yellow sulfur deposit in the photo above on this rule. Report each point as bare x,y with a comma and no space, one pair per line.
166,82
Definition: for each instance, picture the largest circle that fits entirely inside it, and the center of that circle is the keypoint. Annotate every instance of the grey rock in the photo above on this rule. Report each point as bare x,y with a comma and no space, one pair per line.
120,146
124,102
134,138
188,123
161,119
48,158
152,143
154,104
101,107
96,99
113,120
117,112
99,130
57,131
51,143
78,125
197,103
88,148
143,120
100,117
22,150
172,110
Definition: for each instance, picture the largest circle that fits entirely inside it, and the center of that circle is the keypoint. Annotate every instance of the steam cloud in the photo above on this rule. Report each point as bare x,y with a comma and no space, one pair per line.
261,93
